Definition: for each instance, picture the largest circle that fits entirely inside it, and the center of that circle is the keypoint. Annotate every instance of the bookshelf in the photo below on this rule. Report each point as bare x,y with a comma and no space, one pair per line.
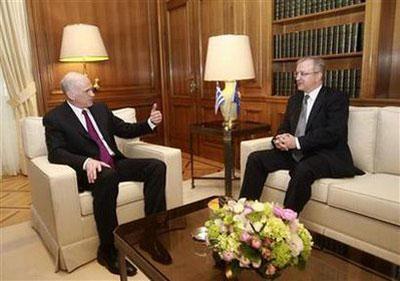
331,29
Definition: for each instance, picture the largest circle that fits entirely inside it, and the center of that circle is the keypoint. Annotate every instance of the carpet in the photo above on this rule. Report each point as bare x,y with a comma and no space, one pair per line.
24,257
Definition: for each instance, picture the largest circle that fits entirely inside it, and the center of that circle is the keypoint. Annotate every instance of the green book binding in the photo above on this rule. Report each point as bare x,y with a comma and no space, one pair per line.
301,43
320,41
336,33
346,82
330,39
355,28
353,83
347,41
306,42
358,82
342,39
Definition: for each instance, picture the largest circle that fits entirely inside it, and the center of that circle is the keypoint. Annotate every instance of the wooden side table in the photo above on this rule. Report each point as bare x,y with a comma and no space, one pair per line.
240,129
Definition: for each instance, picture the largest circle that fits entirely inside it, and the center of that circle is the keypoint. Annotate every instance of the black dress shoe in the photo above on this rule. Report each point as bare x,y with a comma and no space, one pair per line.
110,261
156,251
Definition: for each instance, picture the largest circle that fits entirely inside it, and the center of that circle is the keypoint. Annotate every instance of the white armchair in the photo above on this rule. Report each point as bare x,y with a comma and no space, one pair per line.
63,217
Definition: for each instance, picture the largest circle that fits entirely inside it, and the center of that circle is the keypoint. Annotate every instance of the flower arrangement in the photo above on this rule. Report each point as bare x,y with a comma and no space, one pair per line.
262,236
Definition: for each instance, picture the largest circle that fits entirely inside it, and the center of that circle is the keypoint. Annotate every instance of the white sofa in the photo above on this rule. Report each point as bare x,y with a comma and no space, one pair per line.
63,217
364,211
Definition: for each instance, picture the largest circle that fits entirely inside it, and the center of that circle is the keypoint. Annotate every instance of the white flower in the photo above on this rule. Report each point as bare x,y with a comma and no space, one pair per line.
296,244
258,206
294,226
238,208
240,219
256,264
248,228
218,222
244,262
257,226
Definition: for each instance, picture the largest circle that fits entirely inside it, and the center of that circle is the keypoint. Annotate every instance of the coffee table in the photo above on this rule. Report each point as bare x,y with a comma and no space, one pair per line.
192,260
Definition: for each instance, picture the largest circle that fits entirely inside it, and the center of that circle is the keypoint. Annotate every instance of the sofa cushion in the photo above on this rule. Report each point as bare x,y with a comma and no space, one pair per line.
128,115
280,180
373,195
129,191
33,137
362,128
387,154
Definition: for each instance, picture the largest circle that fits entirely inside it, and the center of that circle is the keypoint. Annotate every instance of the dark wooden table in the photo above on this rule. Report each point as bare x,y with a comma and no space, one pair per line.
240,129
192,260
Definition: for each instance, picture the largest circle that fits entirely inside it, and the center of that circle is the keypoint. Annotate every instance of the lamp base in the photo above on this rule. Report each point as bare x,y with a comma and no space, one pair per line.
228,124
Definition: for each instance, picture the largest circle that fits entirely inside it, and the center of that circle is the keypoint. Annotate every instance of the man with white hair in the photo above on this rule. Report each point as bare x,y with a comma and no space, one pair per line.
80,134
311,141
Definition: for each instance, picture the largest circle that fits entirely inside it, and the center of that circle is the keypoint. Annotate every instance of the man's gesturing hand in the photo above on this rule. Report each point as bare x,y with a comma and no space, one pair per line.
155,115
92,167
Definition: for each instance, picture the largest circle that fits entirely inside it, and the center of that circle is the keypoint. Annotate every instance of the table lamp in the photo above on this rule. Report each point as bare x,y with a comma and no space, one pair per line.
228,59
83,43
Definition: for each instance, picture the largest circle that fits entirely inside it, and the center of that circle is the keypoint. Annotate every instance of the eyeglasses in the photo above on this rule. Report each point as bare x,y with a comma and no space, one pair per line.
302,74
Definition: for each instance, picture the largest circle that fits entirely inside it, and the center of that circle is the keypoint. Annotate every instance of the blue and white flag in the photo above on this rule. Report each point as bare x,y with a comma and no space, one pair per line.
219,98
236,99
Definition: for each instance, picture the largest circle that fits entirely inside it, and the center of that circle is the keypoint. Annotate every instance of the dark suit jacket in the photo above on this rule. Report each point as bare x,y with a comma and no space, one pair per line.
69,143
326,131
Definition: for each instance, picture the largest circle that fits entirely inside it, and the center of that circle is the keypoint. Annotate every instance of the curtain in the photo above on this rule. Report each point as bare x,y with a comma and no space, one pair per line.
15,58
9,149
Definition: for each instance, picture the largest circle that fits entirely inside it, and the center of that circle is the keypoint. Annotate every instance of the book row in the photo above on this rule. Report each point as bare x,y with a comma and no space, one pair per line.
338,39
344,80
294,8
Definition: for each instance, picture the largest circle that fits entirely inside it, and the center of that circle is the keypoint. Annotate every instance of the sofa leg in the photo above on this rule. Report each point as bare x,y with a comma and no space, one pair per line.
319,240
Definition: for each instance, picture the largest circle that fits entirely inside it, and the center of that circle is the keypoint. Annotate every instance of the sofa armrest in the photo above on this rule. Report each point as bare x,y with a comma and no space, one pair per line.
55,199
249,146
171,157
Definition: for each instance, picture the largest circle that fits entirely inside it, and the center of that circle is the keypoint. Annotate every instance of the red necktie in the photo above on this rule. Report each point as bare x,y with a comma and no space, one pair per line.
104,156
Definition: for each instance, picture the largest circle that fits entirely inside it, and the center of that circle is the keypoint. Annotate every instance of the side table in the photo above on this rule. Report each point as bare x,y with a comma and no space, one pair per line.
240,129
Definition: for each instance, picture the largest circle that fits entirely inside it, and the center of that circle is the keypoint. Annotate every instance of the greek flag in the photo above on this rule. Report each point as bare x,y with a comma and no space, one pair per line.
236,99
219,98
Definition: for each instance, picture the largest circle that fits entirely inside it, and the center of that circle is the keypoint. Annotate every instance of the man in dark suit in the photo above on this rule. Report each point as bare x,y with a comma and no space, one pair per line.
311,141
80,133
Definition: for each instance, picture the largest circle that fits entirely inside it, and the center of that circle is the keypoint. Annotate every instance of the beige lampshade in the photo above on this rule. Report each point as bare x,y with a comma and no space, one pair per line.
229,58
82,43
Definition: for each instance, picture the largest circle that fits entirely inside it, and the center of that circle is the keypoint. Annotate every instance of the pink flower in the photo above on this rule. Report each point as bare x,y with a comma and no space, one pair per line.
227,256
265,252
247,210
256,243
286,214
270,269
245,237
266,241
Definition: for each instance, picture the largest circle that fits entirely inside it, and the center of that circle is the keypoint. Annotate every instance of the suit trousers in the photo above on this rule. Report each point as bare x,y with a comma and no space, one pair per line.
105,191
302,175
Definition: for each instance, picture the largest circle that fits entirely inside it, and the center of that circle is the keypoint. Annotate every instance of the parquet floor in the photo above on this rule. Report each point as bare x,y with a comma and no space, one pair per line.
15,192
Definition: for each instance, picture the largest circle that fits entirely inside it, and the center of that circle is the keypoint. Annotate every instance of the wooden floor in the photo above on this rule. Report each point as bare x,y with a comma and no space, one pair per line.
15,193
